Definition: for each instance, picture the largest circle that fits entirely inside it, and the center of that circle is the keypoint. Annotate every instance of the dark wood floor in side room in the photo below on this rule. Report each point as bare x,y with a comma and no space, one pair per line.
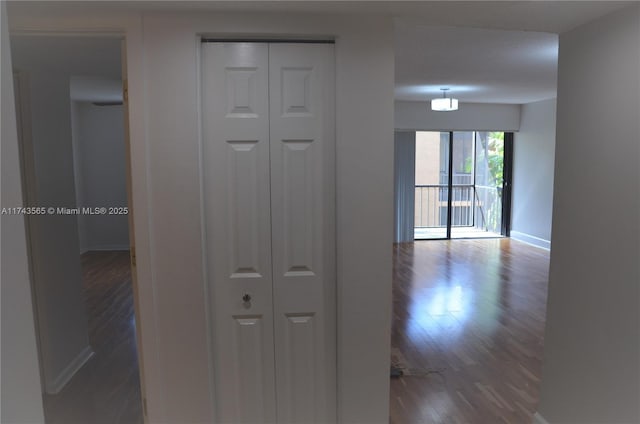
107,389
468,322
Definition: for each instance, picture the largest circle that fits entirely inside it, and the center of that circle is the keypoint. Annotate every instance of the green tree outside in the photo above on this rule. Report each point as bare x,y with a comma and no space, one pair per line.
495,156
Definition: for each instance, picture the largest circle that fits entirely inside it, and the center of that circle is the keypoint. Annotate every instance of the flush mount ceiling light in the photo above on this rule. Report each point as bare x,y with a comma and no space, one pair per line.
444,104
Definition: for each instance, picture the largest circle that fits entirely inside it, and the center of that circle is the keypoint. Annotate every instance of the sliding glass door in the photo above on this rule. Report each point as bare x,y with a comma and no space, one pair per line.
489,179
432,185
461,187
462,184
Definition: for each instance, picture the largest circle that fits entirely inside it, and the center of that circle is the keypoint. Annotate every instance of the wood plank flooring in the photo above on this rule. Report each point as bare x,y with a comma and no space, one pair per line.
107,389
468,323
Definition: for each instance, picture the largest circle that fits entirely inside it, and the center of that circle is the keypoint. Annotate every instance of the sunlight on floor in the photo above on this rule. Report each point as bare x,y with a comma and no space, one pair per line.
425,233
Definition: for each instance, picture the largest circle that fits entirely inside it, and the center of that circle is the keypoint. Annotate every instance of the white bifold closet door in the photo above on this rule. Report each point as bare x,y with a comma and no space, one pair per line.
269,197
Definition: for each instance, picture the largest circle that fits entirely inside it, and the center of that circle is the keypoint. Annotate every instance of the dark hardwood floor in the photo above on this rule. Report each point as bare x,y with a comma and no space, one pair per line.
107,389
468,326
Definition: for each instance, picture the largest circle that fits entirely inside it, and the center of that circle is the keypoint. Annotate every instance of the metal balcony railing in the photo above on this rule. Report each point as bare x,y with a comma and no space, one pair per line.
471,206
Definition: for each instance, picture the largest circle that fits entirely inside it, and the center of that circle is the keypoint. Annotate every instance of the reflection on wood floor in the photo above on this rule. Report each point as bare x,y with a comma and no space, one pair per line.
107,389
468,322
470,310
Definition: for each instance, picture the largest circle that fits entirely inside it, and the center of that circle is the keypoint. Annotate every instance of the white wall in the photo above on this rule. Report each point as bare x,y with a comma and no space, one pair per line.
532,187
21,401
99,159
62,321
469,117
591,371
364,146
58,20
166,198
77,172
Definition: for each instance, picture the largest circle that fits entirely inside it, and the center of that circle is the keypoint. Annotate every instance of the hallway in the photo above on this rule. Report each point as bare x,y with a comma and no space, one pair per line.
106,390
468,329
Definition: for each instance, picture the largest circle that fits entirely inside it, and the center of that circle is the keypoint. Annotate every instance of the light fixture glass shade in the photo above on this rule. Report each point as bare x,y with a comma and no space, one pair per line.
444,104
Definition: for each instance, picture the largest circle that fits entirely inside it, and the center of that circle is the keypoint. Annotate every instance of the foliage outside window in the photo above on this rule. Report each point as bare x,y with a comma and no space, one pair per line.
492,154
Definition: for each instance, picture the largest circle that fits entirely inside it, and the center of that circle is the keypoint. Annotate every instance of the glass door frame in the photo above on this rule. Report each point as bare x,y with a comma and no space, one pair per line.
507,179
450,187
506,198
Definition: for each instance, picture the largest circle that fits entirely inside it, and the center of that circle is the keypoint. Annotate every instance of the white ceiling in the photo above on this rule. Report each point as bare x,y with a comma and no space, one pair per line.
543,16
484,51
477,65
93,64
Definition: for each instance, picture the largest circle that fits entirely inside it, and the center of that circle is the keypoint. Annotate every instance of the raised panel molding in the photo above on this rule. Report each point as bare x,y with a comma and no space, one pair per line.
241,92
249,367
300,351
302,163
269,215
298,198
296,92
237,225
243,209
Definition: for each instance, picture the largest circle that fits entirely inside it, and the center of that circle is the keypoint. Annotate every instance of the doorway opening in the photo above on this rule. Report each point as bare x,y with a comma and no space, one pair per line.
73,134
462,184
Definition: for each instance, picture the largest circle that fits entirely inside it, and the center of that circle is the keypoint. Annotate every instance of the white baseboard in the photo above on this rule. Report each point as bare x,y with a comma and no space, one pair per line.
532,240
69,371
107,247
539,419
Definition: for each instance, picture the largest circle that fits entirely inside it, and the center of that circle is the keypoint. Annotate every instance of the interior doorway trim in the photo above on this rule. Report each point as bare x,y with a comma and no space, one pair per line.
129,30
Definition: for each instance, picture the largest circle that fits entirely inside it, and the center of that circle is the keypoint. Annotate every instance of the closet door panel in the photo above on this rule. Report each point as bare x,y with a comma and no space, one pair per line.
301,96
235,170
